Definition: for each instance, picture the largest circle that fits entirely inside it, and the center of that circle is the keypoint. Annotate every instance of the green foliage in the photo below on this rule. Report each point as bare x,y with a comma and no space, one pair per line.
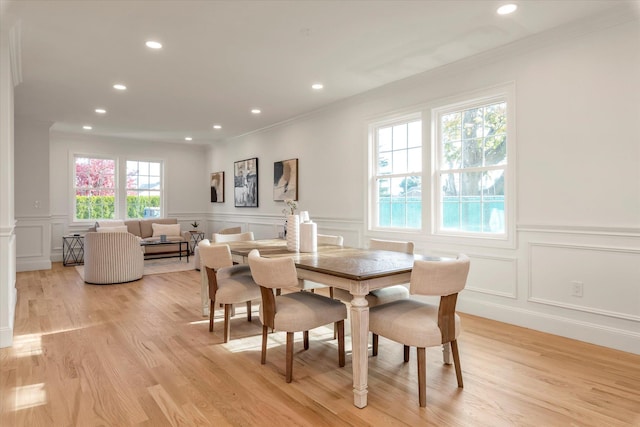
103,207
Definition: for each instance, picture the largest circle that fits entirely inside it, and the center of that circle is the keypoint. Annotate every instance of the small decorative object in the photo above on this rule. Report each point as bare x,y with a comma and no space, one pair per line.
163,238
245,183
293,233
195,225
285,180
217,187
308,237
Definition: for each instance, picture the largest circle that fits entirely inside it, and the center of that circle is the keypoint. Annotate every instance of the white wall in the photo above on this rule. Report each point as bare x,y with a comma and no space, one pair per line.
578,178
7,217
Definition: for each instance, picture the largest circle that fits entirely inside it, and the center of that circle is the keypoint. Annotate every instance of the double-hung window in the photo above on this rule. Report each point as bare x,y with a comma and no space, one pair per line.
144,187
471,165
397,174
103,190
95,187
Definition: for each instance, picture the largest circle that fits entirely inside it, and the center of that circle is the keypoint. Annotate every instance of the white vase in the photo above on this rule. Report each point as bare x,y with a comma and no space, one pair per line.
293,233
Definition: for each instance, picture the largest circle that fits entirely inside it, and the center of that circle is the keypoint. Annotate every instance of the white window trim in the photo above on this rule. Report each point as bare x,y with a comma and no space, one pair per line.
120,203
372,212
508,239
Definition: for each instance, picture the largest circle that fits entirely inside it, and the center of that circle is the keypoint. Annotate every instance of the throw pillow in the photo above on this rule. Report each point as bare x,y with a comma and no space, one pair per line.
120,229
166,229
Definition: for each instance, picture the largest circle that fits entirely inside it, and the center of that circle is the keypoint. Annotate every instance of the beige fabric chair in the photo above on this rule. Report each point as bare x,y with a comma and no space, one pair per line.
418,324
227,284
293,312
328,239
218,238
235,237
111,258
196,253
390,293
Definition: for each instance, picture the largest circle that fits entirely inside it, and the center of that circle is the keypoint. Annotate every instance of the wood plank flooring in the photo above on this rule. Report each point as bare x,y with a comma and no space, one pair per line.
140,354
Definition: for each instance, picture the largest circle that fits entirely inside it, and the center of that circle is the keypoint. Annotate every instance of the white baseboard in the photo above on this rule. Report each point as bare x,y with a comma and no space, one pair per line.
6,333
32,265
6,337
616,338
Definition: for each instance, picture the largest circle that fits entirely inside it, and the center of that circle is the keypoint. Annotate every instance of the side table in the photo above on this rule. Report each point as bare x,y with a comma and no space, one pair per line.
196,236
72,250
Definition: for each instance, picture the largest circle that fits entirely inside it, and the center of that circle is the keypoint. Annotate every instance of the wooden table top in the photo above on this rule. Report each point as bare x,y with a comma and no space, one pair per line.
345,262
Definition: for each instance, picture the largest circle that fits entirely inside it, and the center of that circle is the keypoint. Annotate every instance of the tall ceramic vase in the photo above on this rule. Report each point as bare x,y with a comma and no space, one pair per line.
293,233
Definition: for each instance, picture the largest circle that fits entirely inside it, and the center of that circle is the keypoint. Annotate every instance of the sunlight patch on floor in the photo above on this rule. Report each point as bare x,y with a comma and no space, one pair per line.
28,396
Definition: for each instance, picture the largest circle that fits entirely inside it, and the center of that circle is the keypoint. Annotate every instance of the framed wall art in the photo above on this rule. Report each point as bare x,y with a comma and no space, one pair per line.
217,187
245,183
285,180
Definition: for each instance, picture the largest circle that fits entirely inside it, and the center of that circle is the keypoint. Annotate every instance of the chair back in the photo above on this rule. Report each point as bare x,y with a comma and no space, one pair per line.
439,278
327,239
391,245
237,237
231,230
273,272
215,256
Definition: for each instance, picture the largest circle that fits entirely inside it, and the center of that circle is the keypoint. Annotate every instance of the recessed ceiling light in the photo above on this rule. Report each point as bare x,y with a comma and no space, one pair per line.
217,127
87,127
317,86
507,9
188,138
101,111
256,111
119,87
153,44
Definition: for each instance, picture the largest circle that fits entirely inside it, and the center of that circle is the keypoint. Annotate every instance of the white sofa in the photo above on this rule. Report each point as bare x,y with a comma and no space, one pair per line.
111,258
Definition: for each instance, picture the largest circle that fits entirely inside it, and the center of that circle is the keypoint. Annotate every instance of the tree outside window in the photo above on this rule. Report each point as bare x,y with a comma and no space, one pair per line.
95,188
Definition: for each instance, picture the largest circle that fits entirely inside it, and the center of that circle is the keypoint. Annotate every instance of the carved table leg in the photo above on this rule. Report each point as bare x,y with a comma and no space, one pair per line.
359,340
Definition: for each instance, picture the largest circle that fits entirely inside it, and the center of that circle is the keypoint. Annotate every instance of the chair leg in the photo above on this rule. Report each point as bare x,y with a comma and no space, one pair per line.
456,361
211,312
263,356
227,321
306,340
374,351
331,292
289,357
340,327
278,291
248,311
406,353
422,376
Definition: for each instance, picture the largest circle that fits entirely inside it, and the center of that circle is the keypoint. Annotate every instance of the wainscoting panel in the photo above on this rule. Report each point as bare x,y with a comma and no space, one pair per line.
33,235
594,279
493,275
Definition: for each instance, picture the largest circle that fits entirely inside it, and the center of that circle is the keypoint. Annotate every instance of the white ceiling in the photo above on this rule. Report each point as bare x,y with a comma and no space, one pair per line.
223,58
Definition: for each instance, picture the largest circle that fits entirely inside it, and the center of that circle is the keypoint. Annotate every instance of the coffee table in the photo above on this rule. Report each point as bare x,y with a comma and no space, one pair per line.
165,243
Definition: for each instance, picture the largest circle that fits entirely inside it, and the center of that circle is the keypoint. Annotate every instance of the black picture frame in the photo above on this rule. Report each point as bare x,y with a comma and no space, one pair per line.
217,187
285,180
245,183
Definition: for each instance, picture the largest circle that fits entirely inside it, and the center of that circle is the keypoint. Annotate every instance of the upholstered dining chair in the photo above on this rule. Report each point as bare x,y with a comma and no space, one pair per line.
417,324
292,312
390,293
227,284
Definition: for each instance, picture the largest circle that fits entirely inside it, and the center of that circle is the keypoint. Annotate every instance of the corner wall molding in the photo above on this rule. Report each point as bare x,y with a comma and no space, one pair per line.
572,229
15,53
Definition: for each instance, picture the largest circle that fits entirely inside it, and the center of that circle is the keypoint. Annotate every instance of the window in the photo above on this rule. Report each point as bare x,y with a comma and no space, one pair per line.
144,187
471,168
397,174
94,187
102,190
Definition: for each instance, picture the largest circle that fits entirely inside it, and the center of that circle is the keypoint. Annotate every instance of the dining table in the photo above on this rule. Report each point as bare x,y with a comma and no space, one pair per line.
355,269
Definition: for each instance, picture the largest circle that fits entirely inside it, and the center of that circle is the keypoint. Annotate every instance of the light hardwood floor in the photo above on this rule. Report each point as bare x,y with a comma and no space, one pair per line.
141,354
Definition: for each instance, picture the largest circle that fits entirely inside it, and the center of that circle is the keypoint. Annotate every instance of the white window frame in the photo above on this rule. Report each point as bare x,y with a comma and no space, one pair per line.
372,210
72,198
120,202
124,189
504,93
